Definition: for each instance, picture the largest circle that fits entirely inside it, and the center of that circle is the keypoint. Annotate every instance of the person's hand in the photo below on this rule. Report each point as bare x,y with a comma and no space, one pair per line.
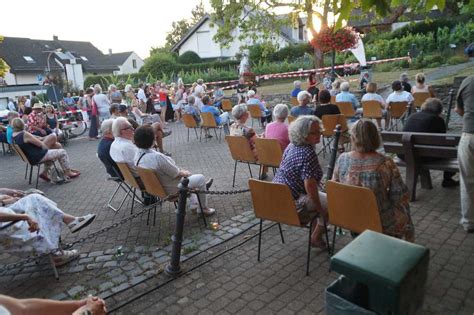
43,132
7,200
12,192
185,173
32,224
93,304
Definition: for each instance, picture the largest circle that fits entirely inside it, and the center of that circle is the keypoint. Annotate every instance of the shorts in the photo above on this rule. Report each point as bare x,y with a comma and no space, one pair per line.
162,103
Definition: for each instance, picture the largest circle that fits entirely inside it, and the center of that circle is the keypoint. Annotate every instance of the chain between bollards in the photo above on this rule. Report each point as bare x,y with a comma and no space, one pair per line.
173,268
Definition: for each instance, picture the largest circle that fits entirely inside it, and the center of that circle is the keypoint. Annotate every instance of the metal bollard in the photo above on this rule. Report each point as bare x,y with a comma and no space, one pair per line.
332,160
173,268
450,105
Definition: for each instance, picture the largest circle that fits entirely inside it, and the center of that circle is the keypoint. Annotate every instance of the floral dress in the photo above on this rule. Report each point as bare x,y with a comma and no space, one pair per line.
17,239
381,175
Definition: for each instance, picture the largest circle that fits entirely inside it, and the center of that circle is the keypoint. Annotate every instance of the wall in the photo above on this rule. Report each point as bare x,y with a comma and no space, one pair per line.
127,66
201,42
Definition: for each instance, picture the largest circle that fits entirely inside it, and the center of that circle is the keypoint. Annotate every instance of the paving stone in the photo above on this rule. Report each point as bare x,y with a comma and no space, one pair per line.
104,258
95,254
75,290
106,285
76,269
85,260
110,264
119,288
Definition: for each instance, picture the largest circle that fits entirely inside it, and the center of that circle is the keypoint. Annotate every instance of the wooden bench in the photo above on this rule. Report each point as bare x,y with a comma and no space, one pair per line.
415,146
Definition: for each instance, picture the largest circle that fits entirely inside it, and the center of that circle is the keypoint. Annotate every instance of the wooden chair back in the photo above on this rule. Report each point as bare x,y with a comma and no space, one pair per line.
20,153
151,182
254,111
189,121
128,176
331,121
239,148
357,211
226,105
208,120
274,202
269,152
294,101
291,119
333,99
372,109
397,109
420,98
346,109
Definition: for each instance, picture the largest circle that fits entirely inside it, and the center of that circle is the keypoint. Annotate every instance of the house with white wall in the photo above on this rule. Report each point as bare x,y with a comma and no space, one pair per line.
128,62
200,40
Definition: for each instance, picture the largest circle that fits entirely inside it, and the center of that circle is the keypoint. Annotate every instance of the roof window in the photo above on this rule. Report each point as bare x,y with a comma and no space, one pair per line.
29,59
84,58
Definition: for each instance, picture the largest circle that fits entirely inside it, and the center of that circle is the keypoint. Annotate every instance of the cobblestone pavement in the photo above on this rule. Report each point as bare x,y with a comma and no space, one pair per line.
233,282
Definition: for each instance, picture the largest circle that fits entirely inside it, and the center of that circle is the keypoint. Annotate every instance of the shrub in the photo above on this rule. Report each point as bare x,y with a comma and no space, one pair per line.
158,63
454,60
189,57
436,58
291,52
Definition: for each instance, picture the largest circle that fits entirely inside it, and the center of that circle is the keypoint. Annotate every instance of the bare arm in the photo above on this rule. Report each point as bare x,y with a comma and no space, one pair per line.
39,306
311,187
29,138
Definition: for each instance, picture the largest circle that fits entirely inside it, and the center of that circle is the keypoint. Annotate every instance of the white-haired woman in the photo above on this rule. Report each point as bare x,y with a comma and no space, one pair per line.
297,89
102,102
254,100
301,172
346,96
278,129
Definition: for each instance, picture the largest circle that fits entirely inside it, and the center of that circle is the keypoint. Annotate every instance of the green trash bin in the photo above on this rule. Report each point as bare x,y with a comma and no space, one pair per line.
393,271
346,297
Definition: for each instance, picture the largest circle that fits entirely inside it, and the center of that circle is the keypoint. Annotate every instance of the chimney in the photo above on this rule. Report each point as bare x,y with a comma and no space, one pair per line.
55,37
110,51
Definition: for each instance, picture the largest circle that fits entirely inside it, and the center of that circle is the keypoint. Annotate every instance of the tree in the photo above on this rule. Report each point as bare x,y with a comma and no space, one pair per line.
258,19
181,27
3,66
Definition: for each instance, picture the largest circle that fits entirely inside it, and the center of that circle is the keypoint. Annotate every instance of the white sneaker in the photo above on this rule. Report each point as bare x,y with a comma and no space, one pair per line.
80,223
65,257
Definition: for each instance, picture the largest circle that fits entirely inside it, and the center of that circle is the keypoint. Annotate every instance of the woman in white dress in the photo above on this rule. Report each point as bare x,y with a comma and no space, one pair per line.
31,225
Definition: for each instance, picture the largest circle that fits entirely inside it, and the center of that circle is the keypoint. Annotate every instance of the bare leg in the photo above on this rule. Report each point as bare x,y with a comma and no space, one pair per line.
379,122
51,141
163,114
158,136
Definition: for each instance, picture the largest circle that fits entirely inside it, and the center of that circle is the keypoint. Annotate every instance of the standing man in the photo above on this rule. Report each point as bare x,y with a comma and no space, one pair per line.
465,108
11,105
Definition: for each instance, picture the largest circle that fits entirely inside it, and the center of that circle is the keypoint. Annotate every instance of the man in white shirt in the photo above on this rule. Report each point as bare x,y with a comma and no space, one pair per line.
122,149
141,97
398,94
168,172
11,106
200,87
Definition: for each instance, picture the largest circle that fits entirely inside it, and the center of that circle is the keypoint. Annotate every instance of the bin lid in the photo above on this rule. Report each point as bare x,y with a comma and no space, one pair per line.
377,257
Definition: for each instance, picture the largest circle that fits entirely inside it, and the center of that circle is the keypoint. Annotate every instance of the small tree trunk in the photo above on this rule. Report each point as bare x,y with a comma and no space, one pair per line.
318,58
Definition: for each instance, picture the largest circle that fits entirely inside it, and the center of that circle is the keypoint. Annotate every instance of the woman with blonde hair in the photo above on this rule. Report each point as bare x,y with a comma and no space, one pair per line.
365,167
420,86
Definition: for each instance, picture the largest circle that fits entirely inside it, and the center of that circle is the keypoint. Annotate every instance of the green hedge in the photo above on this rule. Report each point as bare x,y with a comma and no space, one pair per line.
189,57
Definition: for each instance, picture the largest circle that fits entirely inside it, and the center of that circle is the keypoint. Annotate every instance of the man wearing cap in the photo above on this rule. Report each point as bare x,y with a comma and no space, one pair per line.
37,121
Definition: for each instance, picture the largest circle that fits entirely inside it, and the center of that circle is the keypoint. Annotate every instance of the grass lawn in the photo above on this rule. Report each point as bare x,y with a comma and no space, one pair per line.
281,86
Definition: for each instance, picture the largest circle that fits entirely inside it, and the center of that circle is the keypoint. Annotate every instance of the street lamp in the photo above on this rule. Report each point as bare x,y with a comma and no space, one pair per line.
49,69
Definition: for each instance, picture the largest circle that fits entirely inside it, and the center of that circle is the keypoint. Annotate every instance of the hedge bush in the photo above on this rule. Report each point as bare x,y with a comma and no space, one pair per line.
189,57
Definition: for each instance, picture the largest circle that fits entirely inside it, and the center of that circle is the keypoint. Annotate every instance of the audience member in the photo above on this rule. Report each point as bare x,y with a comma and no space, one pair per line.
218,96
312,85
325,107
278,129
253,100
242,90
103,150
398,94
365,167
304,98
465,108
191,109
93,113
301,172
168,172
221,119
405,83
346,96
37,124
372,95
420,86
122,149
38,152
297,88
102,103
336,87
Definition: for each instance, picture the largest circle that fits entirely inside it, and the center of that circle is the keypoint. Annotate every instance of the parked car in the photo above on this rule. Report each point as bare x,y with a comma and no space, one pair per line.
469,50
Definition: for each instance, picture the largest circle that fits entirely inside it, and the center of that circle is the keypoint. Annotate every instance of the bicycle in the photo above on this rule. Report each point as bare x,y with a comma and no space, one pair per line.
73,125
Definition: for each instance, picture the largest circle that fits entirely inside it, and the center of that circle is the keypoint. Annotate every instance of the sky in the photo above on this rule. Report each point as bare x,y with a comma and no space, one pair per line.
118,25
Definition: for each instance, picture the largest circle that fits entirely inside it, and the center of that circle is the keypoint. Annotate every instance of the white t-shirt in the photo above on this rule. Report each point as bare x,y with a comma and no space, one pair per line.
164,166
103,104
199,89
123,151
141,95
373,97
401,96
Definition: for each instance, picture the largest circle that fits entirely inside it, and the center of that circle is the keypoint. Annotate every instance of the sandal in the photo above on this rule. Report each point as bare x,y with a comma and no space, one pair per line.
80,223
45,177
66,257
74,175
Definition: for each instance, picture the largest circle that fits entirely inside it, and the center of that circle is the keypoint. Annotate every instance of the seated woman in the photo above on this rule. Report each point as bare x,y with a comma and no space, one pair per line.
39,225
168,172
367,168
301,172
420,86
371,95
325,107
52,121
37,151
278,129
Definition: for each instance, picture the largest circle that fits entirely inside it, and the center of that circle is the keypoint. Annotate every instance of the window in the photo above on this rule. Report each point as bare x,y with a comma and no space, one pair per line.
84,58
29,59
134,63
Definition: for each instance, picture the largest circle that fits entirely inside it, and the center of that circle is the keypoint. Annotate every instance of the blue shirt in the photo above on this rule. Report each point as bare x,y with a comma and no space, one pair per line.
301,110
9,134
295,92
298,164
347,97
69,101
103,152
213,110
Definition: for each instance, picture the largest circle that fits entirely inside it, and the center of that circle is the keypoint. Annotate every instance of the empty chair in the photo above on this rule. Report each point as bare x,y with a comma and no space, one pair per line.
274,202
255,113
190,123
330,122
269,153
356,212
346,109
373,110
396,112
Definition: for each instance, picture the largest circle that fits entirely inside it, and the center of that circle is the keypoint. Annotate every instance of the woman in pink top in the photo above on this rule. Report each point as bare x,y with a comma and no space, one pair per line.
278,129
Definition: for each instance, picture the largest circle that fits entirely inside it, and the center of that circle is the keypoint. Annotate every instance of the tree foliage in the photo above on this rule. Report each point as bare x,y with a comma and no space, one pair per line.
3,66
181,27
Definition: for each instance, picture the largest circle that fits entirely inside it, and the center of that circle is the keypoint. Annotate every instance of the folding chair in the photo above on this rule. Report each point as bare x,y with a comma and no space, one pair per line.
153,187
24,158
239,148
346,109
397,111
294,101
291,119
333,99
269,153
255,113
226,105
274,202
209,122
190,123
330,122
420,98
121,184
357,211
131,181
